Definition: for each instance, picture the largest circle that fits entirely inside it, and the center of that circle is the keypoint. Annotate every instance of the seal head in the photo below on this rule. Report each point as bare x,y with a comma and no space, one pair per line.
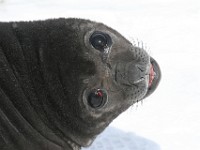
124,75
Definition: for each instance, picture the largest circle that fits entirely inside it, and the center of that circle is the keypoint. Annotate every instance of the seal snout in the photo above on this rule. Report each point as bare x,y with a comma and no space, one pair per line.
131,73
136,73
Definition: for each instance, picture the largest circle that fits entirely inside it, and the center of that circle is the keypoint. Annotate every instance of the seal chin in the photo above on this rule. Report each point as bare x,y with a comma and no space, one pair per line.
154,77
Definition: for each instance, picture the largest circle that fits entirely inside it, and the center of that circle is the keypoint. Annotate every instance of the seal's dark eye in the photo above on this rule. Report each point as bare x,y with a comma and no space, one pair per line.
100,40
97,98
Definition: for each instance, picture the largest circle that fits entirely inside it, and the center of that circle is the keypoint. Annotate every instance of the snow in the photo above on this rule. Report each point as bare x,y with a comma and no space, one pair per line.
116,139
170,118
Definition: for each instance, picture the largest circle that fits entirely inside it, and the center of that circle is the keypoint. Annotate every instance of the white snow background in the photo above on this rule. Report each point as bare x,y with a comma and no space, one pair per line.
170,118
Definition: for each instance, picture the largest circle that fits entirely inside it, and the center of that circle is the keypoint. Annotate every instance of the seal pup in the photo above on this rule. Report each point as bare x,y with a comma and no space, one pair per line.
62,81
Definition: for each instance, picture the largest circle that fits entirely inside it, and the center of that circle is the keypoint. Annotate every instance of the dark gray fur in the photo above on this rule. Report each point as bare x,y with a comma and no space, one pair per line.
47,67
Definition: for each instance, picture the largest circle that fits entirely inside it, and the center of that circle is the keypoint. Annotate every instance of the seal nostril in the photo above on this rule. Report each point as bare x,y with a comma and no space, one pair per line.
140,68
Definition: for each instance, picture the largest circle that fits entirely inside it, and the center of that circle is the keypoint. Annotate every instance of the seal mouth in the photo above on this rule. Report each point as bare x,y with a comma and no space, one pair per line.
154,77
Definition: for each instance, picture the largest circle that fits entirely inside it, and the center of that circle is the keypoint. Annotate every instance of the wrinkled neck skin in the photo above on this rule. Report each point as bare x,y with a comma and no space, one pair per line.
39,88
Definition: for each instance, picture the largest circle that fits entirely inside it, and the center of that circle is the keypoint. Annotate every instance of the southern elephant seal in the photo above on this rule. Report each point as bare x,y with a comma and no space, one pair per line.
62,81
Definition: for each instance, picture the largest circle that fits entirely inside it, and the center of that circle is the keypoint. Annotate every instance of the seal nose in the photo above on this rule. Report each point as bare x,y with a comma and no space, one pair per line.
136,73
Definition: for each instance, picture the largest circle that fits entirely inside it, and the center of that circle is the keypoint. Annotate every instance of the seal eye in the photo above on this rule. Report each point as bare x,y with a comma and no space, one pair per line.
97,98
100,40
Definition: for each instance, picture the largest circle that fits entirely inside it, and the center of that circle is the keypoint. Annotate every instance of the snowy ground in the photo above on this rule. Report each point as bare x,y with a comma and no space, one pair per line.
170,118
